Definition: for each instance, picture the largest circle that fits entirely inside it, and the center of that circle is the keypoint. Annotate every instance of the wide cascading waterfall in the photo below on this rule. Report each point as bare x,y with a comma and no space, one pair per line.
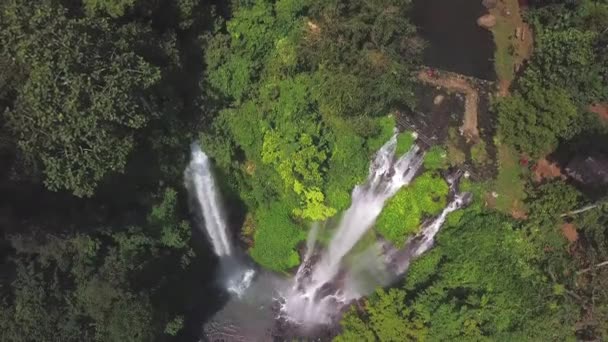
235,275
386,177
316,296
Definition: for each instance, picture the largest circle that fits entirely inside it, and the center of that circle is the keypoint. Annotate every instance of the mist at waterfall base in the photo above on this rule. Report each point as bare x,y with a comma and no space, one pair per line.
325,283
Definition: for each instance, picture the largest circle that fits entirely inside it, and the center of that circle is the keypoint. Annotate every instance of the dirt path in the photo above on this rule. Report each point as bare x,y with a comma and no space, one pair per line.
457,83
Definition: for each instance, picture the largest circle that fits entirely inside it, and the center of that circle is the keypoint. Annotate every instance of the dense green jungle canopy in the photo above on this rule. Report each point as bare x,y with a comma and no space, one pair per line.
100,100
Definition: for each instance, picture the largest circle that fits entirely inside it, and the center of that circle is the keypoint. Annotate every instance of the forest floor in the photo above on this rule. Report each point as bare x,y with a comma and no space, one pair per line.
514,42
457,83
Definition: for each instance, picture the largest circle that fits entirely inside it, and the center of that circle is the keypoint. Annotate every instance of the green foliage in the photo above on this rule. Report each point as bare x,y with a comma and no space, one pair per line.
546,203
423,269
533,121
591,309
174,326
82,101
565,58
347,164
385,129
479,154
436,158
87,286
405,140
276,238
478,283
368,72
403,213
388,319
288,91
456,156
100,295
354,329
509,184
114,8
174,233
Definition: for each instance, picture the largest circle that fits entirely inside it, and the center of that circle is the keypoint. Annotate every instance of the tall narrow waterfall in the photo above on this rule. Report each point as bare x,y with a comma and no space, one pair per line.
205,192
235,275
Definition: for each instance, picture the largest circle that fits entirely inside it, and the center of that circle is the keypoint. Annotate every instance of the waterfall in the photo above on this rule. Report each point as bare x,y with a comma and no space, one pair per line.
319,292
385,178
205,192
235,276
324,284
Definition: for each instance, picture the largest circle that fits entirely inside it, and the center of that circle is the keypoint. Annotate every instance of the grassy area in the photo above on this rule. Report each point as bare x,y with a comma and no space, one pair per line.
276,238
509,184
510,51
403,213
436,158
455,155
503,55
479,154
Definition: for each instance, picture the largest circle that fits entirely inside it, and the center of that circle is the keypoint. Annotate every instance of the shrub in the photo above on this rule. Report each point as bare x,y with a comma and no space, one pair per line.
436,158
276,237
385,128
403,213
479,154
405,140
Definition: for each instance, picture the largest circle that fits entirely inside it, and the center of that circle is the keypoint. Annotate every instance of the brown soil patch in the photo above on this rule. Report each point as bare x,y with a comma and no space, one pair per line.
601,109
314,28
546,170
458,83
503,88
518,211
569,232
489,200
486,21
249,167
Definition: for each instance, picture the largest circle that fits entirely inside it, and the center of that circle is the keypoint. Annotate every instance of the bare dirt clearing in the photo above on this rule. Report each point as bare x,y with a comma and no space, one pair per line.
545,169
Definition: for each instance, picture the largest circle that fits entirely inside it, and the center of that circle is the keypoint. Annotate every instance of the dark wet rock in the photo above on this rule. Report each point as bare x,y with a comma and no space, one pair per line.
589,169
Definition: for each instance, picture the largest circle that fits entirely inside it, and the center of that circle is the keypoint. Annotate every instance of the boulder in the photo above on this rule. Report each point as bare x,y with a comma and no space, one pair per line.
487,21
438,99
